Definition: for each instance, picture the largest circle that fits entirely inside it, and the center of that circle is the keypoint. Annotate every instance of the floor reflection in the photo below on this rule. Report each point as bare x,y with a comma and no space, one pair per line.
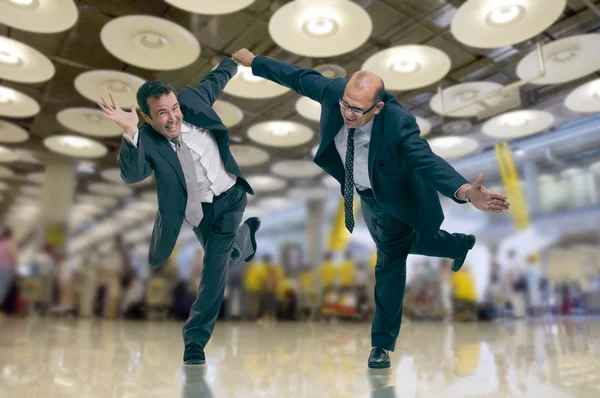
93,358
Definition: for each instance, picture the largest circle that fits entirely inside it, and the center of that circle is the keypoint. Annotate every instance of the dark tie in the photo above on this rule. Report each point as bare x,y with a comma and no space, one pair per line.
193,208
349,182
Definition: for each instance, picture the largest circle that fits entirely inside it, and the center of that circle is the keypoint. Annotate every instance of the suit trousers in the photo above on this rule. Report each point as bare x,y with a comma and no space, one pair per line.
226,244
395,241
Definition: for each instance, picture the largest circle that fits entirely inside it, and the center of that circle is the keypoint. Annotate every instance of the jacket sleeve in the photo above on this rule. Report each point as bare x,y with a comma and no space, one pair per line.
132,161
306,82
215,81
432,169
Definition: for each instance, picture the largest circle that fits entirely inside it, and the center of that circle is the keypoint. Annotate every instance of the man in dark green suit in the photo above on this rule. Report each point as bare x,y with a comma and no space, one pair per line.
199,185
369,141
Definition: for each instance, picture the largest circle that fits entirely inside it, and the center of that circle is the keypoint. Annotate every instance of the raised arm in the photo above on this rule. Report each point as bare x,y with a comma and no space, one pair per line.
306,82
215,81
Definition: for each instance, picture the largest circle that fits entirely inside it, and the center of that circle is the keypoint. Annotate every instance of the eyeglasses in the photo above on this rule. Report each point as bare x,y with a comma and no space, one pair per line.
356,111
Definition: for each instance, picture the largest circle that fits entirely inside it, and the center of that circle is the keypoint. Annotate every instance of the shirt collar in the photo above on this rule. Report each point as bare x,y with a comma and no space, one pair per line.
185,128
367,127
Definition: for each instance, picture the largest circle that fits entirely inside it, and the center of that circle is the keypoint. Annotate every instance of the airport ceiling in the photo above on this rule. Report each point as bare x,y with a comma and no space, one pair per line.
79,49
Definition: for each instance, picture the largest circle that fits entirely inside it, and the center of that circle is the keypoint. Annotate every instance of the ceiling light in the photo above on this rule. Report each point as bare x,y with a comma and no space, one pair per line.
93,118
116,86
563,56
76,142
9,58
280,130
467,96
516,120
6,95
594,91
505,14
21,2
448,142
405,66
151,40
320,27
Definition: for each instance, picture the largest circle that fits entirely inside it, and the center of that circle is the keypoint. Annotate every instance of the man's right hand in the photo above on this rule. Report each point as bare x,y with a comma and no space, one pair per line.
128,121
243,57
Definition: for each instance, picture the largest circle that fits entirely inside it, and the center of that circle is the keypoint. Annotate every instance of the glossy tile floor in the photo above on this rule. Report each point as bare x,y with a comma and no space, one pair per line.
94,358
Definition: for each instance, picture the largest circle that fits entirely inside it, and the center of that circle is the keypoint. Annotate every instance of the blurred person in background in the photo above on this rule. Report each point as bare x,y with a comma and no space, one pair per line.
9,260
516,274
397,175
199,184
534,293
254,283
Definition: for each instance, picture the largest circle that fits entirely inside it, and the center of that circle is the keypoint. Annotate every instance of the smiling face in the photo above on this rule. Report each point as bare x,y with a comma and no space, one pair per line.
165,115
362,99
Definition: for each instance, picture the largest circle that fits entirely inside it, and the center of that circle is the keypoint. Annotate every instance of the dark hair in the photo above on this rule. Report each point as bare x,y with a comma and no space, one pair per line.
154,89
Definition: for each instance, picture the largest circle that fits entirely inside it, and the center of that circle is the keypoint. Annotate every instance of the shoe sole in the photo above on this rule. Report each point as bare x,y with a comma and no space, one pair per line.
379,366
253,240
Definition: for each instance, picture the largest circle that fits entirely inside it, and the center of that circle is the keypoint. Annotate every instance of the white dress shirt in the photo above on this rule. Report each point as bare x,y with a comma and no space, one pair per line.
362,138
212,177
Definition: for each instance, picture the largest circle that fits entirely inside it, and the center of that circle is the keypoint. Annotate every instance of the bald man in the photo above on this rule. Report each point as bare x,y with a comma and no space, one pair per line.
371,143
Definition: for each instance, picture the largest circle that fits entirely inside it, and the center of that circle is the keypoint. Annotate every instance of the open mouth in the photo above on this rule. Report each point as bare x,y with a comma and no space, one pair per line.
171,128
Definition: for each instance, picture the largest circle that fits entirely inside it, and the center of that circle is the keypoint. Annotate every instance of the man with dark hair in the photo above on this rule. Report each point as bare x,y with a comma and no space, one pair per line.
369,141
198,183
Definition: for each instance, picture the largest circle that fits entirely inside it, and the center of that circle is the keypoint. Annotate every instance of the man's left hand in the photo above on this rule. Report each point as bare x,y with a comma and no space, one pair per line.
486,200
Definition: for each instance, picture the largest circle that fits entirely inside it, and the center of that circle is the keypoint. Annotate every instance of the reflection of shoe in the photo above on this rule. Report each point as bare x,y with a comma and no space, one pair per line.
379,359
195,385
380,380
459,261
254,224
194,355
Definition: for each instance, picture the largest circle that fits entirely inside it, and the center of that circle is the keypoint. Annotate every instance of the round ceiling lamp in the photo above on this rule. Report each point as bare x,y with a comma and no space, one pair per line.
114,175
307,193
16,104
7,155
123,86
409,67
318,28
150,42
518,124
565,59
266,183
229,114
109,189
74,146
247,156
331,71
11,133
424,126
210,7
453,147
296,169
585,98
308,108
27,156
31,190
245,85
275,203
102,201
39,16
22,63
36,178
5,172
462,94
88,121
282,134
499,23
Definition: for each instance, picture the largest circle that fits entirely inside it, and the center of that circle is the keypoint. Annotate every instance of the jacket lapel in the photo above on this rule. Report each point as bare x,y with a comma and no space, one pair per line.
376,139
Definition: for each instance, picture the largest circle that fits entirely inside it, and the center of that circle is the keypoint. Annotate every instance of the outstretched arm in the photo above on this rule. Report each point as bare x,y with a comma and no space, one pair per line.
215,81
306,82
436,172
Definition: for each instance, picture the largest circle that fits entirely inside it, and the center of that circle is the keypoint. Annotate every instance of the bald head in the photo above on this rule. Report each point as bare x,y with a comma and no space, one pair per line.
368,82
362,99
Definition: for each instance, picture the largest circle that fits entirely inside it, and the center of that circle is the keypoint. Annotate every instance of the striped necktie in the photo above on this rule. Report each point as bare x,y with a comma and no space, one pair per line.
193,208
349,182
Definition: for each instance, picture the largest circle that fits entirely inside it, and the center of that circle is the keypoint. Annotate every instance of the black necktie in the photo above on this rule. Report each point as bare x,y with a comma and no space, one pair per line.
349,182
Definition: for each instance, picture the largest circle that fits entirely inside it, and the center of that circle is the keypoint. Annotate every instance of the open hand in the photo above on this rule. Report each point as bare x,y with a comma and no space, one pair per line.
486,200
128,121
243,57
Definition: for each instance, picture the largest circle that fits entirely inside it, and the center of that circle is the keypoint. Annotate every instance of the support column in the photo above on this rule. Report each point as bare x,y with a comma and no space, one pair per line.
315,236
530,171
57,198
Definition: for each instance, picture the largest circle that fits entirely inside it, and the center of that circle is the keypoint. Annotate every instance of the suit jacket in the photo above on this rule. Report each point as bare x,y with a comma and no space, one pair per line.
404,173
155,153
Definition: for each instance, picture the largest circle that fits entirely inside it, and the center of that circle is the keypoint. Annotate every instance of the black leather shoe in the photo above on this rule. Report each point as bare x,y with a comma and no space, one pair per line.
458,262
254,224
379,359
194,355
